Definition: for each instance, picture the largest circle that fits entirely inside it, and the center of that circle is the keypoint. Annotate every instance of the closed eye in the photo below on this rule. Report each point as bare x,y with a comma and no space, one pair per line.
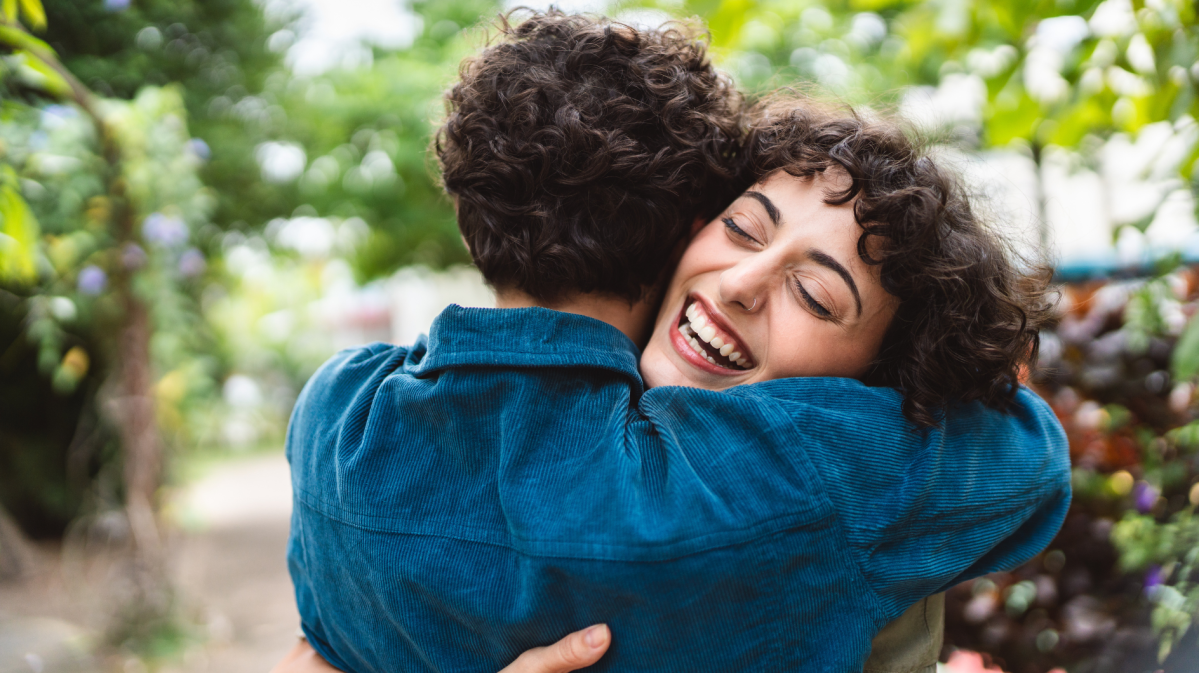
816,306
732,227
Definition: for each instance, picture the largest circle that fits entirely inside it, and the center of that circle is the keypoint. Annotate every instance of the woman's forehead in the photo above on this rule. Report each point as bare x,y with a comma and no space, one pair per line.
801,204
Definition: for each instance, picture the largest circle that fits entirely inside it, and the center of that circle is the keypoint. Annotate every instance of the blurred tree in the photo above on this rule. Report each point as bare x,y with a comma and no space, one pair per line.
1025,75
216,50
209,49
114,188
352,143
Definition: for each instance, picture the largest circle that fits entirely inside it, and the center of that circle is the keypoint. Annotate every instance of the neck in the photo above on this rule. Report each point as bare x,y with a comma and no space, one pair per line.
635,320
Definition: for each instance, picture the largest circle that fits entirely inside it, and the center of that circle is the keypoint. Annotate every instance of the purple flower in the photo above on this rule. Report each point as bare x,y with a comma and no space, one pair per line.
163,230
92,280
199,148
54,116
191,263
117,5
132,256
1155,577
1144,496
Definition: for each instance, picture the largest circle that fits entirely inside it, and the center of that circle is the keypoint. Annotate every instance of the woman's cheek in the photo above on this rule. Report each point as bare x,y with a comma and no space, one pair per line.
813,350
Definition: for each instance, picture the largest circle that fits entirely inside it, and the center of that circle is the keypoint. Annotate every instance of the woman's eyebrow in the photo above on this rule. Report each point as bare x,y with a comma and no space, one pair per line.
824,260
771,209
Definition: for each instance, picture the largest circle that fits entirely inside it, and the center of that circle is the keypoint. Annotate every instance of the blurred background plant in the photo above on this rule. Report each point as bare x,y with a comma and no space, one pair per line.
200,200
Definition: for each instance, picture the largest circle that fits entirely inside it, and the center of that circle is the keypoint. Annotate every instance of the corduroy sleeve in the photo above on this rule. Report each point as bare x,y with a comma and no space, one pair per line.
923,509
336,390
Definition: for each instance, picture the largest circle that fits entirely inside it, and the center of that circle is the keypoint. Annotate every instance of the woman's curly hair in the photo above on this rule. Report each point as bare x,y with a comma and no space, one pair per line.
968,316
580,150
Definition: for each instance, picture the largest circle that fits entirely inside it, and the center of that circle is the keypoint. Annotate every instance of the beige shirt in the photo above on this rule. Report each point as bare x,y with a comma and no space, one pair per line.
911,643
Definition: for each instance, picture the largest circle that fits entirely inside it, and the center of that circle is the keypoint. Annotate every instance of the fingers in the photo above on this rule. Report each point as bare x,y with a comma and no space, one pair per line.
303,659
577,650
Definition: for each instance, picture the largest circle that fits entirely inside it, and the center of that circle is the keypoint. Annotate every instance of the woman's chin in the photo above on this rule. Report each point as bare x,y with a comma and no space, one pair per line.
659,369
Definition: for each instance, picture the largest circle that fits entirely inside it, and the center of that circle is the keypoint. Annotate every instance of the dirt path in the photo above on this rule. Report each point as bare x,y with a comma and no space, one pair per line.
231,570
233,564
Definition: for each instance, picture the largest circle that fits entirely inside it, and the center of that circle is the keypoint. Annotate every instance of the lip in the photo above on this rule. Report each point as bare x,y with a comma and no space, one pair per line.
678,341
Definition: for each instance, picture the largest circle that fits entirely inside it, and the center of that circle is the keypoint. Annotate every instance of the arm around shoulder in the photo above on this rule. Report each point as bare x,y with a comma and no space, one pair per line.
990,492
925,508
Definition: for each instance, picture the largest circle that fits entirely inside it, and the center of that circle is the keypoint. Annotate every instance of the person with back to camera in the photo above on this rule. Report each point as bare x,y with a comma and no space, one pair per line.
510,478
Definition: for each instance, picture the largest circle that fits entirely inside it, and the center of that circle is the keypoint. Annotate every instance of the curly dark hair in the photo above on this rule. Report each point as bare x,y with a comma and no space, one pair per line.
968,316
580,150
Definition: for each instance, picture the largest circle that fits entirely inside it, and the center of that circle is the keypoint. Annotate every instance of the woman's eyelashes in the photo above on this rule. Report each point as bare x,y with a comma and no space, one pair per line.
732,228
816,306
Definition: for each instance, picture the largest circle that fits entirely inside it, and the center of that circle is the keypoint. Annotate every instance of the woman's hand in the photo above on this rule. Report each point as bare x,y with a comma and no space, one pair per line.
577,650
303,659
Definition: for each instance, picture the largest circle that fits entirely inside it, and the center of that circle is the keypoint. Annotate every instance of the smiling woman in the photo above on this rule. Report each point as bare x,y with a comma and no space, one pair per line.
851,255
778,269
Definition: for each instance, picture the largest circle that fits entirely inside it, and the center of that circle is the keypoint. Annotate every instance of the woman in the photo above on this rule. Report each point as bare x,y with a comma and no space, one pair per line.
852,255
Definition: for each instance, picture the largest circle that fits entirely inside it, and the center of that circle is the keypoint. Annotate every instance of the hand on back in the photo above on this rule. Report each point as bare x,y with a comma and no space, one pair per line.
576,651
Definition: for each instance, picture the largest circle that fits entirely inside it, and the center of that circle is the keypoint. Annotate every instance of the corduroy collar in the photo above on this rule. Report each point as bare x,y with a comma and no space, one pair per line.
526,337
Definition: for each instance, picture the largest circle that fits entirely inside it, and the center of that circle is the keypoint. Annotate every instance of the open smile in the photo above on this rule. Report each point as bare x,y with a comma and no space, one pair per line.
705,342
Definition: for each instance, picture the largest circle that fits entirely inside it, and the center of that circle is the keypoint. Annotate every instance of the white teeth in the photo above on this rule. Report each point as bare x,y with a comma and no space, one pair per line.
697,328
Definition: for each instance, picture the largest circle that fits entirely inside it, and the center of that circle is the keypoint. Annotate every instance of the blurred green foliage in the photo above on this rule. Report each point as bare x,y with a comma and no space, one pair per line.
210,48
1046,72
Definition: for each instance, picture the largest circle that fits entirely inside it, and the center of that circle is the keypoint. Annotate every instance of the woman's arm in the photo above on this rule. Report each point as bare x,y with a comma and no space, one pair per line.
577,650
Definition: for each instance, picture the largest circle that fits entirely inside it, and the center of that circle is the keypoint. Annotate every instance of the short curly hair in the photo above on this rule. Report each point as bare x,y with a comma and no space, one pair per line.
580,150
968,316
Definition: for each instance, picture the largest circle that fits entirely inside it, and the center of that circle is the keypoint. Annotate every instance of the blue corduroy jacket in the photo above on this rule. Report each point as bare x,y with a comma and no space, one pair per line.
509,480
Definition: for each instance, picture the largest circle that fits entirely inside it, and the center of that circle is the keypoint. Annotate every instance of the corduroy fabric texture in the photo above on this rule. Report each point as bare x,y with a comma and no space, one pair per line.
509,480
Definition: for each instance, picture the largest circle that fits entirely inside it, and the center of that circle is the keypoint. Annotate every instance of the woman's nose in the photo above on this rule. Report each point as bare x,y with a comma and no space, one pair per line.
741,286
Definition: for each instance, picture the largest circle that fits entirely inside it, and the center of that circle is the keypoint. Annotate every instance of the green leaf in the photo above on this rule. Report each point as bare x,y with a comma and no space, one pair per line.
1184,363
18,237
34,72
10,10
1163,649
15,38
1013,119
34,13
727,21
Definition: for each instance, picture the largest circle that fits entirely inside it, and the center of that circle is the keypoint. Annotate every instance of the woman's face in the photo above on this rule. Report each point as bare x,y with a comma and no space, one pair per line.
771,288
